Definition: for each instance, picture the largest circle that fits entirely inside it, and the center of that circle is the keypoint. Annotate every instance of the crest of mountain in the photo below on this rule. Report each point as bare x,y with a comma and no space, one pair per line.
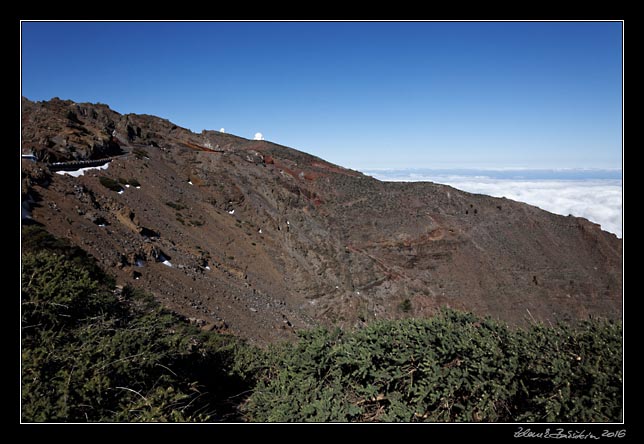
260,240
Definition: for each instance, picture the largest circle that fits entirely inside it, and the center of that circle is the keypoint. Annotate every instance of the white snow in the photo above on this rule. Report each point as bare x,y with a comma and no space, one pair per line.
231,212
190,182
121,192
127,185
101,225
207,268
259,231
288,223
167,263
258,136
79,172
138,188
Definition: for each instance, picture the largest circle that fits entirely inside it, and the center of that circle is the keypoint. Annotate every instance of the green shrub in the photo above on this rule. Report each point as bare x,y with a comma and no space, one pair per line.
110,183
571,374
140,153
90,355
452,367
405,306
132,182
176,205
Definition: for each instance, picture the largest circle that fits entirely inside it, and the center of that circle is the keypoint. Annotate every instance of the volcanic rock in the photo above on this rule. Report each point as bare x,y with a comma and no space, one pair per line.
259,233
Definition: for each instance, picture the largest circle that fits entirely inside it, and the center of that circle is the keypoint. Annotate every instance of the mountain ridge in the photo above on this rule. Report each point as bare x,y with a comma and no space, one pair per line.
263,240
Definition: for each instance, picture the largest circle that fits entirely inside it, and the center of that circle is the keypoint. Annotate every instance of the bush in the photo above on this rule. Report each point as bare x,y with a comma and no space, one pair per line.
570,373
176,205
453,367
110,183
140,153
405,306
89,354
132,182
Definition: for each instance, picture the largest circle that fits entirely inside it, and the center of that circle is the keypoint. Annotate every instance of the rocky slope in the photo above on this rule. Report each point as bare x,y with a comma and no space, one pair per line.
260,240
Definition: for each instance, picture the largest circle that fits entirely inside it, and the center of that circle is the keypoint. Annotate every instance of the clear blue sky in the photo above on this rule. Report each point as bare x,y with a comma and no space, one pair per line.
364,95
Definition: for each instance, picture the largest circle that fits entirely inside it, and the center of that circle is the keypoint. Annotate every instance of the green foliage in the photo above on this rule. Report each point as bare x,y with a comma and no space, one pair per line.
90,354
110,183
570,373
405,306
176,205
140,153
453,367
132,182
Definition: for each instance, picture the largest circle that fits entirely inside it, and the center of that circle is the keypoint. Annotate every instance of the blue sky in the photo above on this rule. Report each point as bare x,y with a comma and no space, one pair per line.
363,95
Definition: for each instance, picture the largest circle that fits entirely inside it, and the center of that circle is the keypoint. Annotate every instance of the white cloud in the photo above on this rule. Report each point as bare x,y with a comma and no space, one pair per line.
258,136
598,200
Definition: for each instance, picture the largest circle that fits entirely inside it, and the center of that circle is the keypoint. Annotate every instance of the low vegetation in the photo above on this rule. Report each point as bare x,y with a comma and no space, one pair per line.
176,205
110,183
131,182
452,367
92,352
140,153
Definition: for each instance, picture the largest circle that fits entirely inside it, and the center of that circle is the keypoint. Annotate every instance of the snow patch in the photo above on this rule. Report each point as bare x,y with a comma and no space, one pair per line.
190,182
231,212
207,267
121,192
259,231
79,172
167,263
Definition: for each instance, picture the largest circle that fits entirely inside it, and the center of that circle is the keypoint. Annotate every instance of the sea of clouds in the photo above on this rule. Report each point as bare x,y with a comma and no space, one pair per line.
593,194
